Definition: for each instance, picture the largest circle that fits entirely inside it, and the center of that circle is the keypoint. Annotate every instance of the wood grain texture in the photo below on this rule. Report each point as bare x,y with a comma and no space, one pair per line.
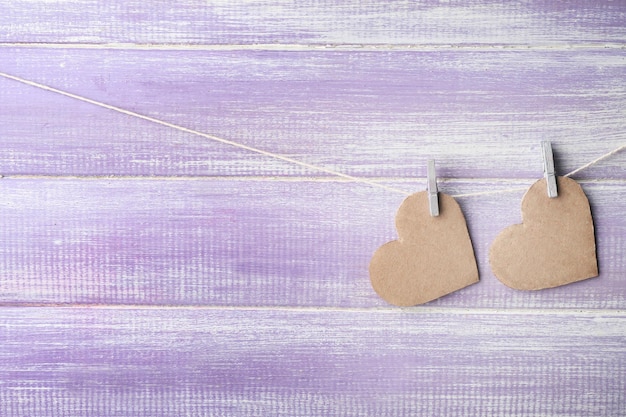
220,282
97,362
535,22
381,114
243,243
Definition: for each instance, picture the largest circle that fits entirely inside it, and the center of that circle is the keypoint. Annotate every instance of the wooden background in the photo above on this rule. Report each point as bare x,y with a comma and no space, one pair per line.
147,271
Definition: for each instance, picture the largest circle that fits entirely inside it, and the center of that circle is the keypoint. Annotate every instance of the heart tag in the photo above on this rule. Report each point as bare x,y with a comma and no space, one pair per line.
554,245
432,258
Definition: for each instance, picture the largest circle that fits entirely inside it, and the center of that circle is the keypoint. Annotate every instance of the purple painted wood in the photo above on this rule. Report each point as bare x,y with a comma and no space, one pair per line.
251,273
247,242
363,113
535,22
112,362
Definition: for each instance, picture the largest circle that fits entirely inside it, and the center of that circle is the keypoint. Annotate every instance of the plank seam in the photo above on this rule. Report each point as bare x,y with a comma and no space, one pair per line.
330,47
272,178
390,310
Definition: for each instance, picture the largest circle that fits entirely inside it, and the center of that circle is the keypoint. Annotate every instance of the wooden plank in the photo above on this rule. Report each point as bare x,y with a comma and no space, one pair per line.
380,114
256,242
533,22
163,362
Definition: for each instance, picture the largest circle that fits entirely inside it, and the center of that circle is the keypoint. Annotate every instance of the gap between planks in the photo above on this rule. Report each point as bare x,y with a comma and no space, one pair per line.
320,47
360,310
274,178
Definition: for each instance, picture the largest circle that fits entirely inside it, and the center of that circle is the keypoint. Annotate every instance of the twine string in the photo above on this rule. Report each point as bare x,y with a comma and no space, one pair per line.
272,154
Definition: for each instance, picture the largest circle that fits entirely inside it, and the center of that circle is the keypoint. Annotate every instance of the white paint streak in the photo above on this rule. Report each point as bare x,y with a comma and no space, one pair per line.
389,310
329,47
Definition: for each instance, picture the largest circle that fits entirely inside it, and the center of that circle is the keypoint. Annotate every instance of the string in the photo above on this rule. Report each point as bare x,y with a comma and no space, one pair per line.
271,154
569,174
204,135
481,193
595,161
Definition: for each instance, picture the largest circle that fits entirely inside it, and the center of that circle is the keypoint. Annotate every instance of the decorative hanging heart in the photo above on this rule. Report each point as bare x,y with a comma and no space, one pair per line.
554,245
432,258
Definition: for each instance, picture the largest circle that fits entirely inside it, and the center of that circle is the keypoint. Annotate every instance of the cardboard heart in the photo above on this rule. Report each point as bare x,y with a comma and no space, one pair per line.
432,258
554,245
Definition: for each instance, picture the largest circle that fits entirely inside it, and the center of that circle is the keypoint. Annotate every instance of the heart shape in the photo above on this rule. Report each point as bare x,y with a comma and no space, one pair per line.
433,256
554,245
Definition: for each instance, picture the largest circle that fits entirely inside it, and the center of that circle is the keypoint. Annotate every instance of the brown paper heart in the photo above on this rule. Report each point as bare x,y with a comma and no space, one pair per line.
433,257
554,245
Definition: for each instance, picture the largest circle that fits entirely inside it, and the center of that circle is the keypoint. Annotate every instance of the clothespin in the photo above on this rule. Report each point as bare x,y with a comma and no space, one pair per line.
548,168
433,201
